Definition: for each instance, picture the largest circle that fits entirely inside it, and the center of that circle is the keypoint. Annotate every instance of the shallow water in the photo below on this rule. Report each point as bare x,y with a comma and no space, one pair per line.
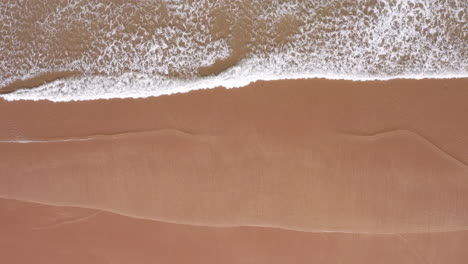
148,48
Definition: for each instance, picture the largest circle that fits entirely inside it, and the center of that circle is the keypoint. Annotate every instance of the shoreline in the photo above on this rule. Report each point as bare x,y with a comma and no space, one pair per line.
87,87
233,132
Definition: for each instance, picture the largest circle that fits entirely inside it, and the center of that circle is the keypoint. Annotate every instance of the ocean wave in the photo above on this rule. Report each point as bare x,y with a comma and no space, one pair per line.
148,48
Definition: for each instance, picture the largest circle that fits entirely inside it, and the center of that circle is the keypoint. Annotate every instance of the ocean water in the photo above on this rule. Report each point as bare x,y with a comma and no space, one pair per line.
140,48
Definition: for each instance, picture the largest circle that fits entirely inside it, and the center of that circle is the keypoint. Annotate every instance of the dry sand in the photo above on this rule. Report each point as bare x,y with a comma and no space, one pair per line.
383,163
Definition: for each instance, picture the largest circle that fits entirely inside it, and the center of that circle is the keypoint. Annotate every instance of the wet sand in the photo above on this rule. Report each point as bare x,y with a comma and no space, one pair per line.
34,233
312,155
383,163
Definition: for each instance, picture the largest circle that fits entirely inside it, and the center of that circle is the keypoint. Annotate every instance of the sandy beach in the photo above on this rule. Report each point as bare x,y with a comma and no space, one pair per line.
382,165
77,235
238,132
311,155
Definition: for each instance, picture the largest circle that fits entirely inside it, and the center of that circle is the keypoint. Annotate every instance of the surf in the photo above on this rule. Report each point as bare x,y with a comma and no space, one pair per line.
133,49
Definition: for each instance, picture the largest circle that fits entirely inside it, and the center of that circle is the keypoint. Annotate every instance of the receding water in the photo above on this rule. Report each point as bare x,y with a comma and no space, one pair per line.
139,48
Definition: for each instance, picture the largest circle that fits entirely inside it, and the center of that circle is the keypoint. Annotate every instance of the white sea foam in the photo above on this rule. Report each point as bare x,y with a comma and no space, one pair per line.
134,85
353,40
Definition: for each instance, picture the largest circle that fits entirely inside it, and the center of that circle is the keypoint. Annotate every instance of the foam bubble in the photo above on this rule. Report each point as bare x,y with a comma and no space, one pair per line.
150,47
137,85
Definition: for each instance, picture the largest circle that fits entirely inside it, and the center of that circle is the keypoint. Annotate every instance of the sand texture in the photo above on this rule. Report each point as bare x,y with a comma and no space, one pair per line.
34,233
378,157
